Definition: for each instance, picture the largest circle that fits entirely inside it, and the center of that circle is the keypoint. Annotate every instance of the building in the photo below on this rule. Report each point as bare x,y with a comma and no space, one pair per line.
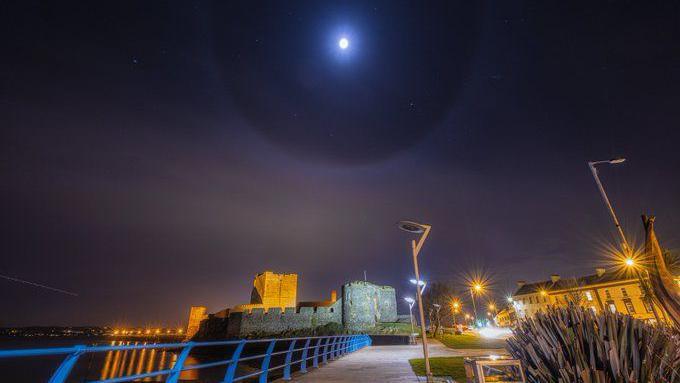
273,310
506,317
604,290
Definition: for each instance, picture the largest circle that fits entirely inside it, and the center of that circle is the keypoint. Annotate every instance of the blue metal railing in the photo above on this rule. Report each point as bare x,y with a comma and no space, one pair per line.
312,348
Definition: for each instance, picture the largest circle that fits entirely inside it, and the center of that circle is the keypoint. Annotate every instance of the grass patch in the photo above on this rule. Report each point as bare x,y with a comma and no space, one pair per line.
470,340
452,366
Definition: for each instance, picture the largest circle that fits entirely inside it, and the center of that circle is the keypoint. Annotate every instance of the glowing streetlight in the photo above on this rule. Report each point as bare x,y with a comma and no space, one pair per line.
630,262
410,302
343,43
510,300
478,287
419,283
424,231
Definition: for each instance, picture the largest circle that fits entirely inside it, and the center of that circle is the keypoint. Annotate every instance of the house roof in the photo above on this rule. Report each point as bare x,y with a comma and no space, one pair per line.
570,283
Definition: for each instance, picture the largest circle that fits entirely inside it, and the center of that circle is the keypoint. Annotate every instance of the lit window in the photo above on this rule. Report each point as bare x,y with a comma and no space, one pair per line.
612,307
589,296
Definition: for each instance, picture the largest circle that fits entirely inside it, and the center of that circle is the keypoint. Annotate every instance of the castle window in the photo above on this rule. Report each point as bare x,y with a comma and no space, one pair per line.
608,294
624,292
629,306
332,309
589,296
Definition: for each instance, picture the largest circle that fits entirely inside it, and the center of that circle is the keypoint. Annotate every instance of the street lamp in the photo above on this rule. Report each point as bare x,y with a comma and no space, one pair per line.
478,287
438,307
593,169
410,302
424,231
455,306
627,251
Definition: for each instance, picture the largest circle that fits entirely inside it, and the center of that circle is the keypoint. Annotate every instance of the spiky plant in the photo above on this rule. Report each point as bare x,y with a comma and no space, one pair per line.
576,345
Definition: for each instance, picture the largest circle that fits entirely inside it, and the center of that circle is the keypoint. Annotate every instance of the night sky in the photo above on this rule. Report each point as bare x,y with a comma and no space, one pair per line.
158,155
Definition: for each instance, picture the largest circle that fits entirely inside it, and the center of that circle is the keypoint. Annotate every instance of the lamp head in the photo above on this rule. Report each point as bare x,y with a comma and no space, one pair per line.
412,227
617,160
409,300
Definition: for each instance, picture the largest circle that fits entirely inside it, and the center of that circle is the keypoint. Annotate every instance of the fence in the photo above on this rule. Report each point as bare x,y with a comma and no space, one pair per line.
317,349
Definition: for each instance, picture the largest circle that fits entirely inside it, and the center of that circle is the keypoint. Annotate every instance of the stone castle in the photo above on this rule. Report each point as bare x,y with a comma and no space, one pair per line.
273,309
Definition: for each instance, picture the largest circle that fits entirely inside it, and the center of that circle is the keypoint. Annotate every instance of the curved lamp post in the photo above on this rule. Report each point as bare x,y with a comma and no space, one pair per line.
410,302
624,243
424,231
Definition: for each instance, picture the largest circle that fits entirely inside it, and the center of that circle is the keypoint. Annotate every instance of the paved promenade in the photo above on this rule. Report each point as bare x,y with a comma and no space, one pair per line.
384,364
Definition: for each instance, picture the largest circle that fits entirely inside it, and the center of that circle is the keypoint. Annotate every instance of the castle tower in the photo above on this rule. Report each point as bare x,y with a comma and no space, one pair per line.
196,315
274,290
271,290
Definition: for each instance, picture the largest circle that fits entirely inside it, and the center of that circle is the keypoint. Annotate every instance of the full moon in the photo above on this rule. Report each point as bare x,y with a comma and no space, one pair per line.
343,43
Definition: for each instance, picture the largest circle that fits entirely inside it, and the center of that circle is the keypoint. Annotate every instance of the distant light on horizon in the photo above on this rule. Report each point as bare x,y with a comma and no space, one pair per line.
343,43
495,332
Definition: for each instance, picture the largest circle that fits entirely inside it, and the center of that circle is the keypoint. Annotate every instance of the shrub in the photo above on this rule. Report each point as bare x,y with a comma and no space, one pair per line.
576,345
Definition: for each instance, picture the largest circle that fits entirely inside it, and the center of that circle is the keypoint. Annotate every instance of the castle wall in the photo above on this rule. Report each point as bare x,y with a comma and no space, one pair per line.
387,304
274,321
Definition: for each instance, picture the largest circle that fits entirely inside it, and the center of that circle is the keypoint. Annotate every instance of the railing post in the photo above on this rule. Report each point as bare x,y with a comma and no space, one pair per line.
265,362
303,363
231,370
315,361
324,356
334,347
345,342
66,366
289,356
176,371
338,347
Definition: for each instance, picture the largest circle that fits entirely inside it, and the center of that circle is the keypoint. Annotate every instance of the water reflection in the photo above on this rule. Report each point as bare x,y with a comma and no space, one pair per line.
133,362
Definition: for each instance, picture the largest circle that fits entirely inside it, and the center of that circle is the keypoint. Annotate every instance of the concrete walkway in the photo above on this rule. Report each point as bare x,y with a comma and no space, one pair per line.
384,364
